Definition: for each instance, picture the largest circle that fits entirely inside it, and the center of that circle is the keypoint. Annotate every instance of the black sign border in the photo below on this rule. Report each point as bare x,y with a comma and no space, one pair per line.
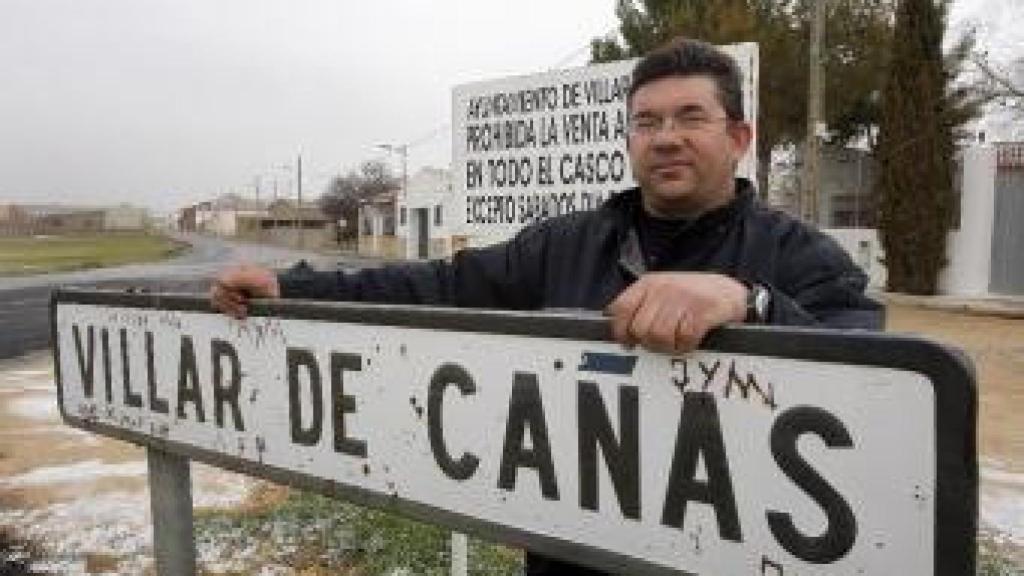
948,369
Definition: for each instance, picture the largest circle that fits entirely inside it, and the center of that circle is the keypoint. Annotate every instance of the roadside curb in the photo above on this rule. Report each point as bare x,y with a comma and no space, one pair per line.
1003,307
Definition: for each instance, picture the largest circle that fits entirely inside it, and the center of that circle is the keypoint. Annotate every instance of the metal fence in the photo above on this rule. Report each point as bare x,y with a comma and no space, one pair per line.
1007,275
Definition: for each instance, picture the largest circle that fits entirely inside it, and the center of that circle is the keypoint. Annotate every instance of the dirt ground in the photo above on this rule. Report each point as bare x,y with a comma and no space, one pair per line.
996,345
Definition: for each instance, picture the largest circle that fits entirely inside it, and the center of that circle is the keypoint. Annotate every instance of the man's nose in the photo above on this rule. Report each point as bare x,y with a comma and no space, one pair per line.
667,140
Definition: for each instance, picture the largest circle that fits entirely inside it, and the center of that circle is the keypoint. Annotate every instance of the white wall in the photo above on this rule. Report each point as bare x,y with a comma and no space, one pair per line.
125,217
865,248
427,188
970,247
225,222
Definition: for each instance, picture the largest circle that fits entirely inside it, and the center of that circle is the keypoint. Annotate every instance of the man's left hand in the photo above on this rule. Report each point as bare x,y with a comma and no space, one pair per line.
673,311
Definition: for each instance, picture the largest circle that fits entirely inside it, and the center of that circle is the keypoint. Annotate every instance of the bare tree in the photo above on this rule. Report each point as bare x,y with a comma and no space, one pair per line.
345,192
1002,86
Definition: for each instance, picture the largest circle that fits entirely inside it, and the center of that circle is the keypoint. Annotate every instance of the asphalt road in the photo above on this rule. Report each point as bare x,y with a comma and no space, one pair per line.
24,301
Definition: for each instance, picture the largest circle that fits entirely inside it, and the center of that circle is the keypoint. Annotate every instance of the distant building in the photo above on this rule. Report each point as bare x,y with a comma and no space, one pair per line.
284,224
14,221
125,217
424,224
846,194
59,219
220,216
377,227
187,219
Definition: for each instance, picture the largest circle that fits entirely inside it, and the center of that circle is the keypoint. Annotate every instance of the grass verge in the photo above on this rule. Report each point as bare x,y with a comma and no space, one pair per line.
997,558
46,254
315,536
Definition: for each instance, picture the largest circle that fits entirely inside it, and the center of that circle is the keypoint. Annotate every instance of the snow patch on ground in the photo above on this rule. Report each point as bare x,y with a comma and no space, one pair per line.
35,407
1002,501
1004,511
51,429
27,380
89,470
113,523
1004,477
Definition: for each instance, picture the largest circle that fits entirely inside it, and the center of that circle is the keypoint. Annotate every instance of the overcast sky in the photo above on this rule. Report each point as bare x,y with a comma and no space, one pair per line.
164,102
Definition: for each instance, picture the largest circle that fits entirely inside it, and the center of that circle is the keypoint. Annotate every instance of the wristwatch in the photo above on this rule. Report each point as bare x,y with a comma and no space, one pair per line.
759,303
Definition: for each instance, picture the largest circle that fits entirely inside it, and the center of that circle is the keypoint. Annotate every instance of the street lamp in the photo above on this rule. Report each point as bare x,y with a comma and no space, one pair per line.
403,151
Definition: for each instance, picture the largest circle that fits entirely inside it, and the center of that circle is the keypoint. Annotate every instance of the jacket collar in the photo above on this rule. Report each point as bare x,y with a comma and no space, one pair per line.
624,207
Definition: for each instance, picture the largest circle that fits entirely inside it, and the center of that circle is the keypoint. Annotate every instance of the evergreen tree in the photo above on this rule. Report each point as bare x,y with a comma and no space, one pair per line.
857,36
915,149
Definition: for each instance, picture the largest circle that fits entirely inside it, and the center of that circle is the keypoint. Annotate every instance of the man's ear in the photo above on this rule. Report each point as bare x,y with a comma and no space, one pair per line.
742,134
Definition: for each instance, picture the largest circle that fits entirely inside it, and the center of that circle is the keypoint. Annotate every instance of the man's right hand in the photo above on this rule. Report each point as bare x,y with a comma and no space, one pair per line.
234,287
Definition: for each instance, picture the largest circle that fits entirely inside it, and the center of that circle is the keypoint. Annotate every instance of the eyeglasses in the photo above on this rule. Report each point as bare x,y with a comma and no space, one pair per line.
645,124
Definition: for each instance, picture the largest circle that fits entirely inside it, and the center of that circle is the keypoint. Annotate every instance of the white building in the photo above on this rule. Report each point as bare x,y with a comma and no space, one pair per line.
125,217
221,216
424,222
984,248
377,217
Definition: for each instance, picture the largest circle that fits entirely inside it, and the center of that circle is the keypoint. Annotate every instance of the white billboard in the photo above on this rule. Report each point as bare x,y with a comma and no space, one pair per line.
534,430
531,147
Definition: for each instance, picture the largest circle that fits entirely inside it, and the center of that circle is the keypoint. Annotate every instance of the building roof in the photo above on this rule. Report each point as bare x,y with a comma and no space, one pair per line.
1010,154
237,203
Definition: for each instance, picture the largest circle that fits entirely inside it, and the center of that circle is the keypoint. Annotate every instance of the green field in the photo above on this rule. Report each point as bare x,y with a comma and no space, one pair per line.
44,254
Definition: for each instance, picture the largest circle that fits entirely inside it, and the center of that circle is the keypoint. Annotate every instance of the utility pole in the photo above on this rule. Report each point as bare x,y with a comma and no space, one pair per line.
298,185
811,180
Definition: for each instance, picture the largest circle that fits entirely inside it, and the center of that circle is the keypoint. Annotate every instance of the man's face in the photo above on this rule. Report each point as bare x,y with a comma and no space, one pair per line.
682,147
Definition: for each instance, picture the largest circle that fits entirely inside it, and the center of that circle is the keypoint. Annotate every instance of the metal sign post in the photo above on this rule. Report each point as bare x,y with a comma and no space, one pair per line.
170,493
769,451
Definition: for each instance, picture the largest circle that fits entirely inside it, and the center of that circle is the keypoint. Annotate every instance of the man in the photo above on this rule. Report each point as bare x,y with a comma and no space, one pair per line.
688,250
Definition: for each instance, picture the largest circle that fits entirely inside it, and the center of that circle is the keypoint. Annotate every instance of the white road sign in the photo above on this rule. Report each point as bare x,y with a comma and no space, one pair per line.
535,431
531,147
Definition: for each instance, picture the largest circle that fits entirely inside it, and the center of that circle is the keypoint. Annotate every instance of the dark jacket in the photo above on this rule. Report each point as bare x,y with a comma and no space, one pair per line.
585,259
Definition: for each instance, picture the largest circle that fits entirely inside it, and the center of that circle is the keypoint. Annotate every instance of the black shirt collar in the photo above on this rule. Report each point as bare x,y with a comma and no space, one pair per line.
628,206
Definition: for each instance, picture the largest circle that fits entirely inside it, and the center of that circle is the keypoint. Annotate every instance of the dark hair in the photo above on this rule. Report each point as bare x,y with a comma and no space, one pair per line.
689,57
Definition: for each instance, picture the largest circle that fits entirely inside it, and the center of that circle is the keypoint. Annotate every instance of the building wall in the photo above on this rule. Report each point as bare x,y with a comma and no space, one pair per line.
187,219
377,227
316,234
225,222
430,189
69,223
1007,274
14,221
865,249
377,246
125,218
845,195
969,249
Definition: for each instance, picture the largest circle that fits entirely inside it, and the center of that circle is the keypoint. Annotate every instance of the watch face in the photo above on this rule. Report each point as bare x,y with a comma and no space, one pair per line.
762,299
757,304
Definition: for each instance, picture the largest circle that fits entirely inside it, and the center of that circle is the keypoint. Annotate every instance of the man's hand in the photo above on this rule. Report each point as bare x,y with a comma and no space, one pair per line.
672,311
234,287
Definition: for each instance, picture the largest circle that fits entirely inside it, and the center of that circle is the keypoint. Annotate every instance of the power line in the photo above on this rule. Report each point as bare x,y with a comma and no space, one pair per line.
434,132
572,56
429,135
